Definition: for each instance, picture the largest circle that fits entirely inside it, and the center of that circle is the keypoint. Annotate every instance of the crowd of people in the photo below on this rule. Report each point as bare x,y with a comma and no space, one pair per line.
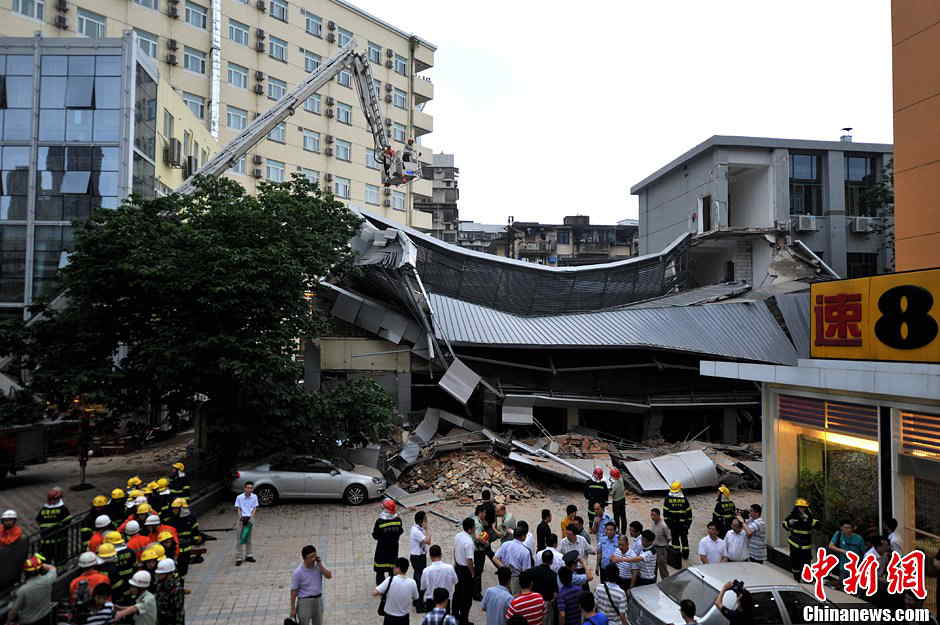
578,571
138,543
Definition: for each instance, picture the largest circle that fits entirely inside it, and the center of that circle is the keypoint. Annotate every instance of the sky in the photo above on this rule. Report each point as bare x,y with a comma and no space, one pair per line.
555,109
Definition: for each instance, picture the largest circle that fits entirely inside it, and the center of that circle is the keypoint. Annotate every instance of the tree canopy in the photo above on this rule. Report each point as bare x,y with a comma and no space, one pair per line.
205,294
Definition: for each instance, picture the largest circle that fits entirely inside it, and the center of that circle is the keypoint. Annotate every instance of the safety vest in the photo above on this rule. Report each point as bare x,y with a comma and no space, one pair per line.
676,509
124,563
49,519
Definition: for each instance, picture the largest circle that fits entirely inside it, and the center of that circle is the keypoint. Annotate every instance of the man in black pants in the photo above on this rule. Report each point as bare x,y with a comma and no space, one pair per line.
463,564
418,552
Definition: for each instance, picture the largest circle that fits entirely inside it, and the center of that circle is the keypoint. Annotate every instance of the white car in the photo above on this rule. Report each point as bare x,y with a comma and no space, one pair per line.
307,477
777,598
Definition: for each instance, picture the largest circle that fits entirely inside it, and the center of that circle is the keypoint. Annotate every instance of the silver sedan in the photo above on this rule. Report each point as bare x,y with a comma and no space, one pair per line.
307,477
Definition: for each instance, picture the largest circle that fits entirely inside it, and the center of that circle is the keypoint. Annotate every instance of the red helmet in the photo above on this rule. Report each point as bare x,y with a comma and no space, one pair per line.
389,506
598,473
615,473
53,494
31,564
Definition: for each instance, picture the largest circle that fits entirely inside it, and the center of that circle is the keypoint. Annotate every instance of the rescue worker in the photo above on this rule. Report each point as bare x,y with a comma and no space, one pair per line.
52,519
619,497
165,498
153,528
107,561
170,595
116,505
134,482
124,562
148,563
90,575
386,532
170,546
153,496
179,483
140,515
102,527
800,524
724,510
136,541
595,491
145,604
187,530
10,532
678,516
99,506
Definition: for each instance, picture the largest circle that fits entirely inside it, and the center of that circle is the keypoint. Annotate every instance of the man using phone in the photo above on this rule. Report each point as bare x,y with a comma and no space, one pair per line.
306,588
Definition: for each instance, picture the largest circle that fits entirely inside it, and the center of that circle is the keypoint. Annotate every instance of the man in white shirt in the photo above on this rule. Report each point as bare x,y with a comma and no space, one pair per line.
418,541
529,541
893,538
400,593
438,574
245,506
463,565
736,542
551,544
711,549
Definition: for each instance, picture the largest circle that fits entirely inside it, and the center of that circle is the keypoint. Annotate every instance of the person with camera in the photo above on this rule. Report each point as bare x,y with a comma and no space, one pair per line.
736,606
306,588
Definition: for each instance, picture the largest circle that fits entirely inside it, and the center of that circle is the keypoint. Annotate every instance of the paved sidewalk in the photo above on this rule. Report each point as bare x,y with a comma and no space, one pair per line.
258,594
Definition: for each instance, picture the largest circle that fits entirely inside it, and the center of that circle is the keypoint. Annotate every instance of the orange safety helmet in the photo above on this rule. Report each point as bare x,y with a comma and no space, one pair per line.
389,506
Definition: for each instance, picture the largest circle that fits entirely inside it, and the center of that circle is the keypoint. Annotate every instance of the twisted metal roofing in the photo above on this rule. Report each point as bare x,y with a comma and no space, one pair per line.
744,331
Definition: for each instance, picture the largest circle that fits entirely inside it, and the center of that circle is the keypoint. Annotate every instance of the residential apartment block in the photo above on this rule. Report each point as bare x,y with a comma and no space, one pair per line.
445,193
574,242
232,59
741,197
486,238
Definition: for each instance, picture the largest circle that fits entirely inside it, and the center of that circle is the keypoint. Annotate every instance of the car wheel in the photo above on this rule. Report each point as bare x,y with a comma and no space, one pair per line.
267,495
355,495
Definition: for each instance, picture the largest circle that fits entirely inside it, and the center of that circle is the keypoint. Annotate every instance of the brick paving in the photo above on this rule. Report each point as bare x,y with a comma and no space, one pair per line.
258,594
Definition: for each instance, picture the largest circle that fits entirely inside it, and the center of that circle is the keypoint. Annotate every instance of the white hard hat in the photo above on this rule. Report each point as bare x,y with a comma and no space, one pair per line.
87,560
152,520
141,579
166,565
132,528
103,520
8,514
139,500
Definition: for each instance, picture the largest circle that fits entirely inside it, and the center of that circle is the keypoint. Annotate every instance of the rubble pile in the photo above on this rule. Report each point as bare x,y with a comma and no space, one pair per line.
463,474
581,446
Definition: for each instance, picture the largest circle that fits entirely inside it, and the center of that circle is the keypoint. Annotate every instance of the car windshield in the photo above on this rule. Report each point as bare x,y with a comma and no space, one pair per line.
342,463
687,585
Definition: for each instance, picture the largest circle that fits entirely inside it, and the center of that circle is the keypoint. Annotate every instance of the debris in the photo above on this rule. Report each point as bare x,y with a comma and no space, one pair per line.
465,474
582,446
411,500
693,468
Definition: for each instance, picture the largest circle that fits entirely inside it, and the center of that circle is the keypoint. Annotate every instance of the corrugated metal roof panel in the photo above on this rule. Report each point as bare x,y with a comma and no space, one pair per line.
746,331
795,310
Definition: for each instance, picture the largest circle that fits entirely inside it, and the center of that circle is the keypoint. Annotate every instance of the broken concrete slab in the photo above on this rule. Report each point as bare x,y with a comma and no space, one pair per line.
694,469
411,500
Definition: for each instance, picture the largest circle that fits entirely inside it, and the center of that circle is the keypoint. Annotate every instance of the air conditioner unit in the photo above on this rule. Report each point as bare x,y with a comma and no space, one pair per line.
259,89
173,153
388,133
387,191
386,203
173,12
62,6
259,75
173,1
256,159
862,224
328,151
388,121
190,165
388,64
389,53
256,172
331,25
806,223
388,98
260,5
328,177
171,44
260,46
259,33
330,37
61,22
329,138
388,87
171,59
330,101
329,112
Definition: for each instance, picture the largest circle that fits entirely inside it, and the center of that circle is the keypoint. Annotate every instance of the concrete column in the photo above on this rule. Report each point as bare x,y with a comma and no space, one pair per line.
653,425
572,418
729,426
720,197
834,193
780,185
311,365
404,392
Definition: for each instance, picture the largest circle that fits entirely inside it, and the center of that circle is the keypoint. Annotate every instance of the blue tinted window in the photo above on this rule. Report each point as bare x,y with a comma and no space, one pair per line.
52,125
19,65
52,92
78,124
107,93
107,126
19,92
81,66
17,124
108,66
15,157
55,65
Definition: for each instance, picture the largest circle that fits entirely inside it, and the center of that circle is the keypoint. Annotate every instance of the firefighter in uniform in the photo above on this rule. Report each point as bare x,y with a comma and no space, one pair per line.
179,483
125,560
187,528
595,491
386,532
52,517
116,507
678,516
165,499
800,524
99,506
724,510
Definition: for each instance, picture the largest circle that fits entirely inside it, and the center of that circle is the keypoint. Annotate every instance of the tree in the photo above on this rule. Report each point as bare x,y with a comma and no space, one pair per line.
198,294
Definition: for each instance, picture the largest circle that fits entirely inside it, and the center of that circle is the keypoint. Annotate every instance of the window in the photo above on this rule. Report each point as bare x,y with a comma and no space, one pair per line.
686,585
150,4
398,200
794,601
29,8
805,185
194,60
237,76
279,10
91,24
859,183
375,53
196,15
196,104
167,123
400,99
239,166
765,610
343,150
343,113
398,132
275,171
276,88
401,65
341,187
311,140
314,24
238,32
311,61
861,264
279,133
277,48
377,87
371,161
236,118
310,174
312,104
344,78
564,237
147,43
343,36
372,194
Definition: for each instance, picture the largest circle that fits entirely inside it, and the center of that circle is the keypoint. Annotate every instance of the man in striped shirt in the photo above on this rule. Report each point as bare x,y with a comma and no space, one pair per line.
609,598
756,529
644,560
102,609
530,605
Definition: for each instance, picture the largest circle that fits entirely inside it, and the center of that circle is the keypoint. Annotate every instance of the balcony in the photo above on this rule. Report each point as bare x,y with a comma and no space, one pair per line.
541,248
593,248
424,90
421,220
424,123
424,58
